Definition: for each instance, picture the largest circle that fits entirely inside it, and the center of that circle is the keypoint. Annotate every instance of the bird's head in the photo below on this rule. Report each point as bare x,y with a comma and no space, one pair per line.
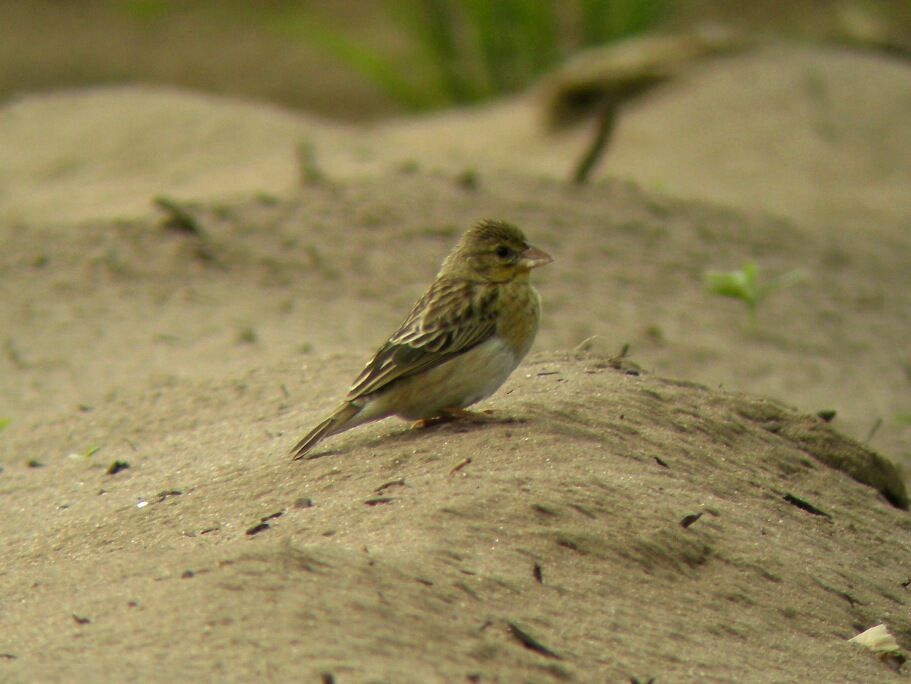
493,251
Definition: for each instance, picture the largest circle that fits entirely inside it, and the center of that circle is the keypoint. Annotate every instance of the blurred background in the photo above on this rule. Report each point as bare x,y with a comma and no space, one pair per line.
361,59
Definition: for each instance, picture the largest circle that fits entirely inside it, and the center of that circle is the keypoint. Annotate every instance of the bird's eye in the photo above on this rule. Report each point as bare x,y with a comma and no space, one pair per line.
503,252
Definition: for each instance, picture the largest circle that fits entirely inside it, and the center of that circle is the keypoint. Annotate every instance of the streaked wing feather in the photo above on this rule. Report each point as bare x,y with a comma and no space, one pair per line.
452,317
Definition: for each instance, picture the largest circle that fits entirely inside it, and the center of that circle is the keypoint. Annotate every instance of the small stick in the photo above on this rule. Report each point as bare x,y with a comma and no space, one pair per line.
606,123
458,466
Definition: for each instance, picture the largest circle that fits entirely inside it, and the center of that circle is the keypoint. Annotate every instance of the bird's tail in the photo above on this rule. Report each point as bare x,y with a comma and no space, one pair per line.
338,421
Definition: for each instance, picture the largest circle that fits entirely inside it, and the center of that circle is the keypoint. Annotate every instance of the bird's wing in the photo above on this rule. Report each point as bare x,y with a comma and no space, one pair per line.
452,317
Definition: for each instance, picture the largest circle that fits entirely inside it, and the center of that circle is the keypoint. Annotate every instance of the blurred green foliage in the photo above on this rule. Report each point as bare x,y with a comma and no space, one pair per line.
146,10
744,284
467,50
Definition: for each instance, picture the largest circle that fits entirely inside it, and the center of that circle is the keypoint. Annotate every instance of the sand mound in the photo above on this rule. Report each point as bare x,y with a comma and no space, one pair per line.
72,157
604,525
818,136
111,307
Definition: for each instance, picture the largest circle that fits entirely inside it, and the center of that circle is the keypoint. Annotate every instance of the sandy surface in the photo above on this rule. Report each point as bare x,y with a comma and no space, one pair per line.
181,354
385,565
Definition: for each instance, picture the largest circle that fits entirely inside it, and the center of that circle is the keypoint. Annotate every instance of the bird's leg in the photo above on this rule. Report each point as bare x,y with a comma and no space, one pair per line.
450,414
462,414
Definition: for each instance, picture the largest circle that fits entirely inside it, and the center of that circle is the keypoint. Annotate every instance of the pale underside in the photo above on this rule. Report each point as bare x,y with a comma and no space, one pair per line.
458,383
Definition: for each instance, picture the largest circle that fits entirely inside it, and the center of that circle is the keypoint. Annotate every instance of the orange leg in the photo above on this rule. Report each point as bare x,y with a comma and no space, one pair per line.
450,414
462,414
423,423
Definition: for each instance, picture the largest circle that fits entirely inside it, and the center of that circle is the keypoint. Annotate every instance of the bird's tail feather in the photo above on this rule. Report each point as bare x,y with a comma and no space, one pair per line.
336,422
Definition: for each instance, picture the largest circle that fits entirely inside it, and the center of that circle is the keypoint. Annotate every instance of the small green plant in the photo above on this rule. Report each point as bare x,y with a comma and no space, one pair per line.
462,51
744,284
85,455
3,423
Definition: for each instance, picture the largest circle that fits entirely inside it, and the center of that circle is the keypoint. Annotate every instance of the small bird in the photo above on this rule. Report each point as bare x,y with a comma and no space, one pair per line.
459,343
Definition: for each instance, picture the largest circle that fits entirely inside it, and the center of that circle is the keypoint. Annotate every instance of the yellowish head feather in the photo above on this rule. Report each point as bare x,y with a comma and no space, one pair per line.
493,251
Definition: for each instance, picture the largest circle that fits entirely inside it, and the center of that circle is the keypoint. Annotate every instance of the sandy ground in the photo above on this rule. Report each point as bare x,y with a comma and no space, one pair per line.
127,340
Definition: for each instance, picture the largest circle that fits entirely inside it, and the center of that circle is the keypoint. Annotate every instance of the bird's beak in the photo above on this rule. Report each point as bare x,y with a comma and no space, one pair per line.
534,257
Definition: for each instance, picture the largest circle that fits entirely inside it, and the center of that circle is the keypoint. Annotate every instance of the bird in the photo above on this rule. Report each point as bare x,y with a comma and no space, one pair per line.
462,338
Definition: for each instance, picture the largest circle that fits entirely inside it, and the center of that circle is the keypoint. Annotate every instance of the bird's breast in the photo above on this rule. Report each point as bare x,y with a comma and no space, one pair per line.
520,311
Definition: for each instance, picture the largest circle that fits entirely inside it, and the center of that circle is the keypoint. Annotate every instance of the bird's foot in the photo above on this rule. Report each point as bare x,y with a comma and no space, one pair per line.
451,414
424,423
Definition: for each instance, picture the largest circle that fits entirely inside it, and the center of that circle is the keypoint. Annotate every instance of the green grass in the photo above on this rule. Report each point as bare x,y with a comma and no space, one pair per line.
603,21
744,284
460,51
